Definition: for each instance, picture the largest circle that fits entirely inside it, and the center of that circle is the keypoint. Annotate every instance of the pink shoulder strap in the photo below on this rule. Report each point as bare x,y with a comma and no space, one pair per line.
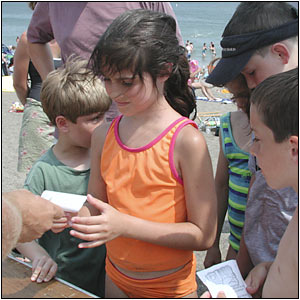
172,146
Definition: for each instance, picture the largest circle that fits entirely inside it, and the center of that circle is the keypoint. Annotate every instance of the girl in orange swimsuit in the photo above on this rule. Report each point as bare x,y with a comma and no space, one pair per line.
150,167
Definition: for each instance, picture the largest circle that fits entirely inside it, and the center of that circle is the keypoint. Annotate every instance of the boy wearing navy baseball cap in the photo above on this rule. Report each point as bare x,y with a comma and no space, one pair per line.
260,35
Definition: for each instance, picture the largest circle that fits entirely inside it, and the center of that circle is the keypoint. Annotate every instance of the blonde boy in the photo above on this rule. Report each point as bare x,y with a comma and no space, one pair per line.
75,102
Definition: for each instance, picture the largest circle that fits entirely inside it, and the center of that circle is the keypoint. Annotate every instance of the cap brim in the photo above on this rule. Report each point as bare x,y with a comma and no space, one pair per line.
229,68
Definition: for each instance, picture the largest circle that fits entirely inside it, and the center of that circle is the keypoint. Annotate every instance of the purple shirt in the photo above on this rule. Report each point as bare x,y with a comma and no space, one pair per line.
77,26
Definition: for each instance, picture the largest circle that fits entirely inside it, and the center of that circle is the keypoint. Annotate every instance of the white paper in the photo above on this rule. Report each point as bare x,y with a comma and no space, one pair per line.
68,202
224,277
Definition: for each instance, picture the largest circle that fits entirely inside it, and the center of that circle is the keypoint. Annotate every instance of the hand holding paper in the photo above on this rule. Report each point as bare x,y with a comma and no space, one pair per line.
70,203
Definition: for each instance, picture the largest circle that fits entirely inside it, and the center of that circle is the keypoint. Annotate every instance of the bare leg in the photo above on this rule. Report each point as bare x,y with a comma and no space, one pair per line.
204,89
111,290
209,93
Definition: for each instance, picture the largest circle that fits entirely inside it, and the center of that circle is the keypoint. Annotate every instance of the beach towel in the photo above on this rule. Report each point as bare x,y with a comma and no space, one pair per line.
7,84
224,101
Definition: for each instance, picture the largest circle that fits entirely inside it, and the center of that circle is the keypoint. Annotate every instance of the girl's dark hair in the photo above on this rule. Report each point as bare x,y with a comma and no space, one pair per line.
145,41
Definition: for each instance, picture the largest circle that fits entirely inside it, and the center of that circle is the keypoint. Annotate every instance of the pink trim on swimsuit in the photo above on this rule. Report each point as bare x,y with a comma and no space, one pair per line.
172,146
148,145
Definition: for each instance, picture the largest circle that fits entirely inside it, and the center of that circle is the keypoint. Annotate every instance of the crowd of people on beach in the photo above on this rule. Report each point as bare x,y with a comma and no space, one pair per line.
114,121
7,60
199,74
189,46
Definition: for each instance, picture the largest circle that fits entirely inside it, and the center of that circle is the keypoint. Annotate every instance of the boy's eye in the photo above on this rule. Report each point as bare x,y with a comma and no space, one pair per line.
255,139
97,118
127,83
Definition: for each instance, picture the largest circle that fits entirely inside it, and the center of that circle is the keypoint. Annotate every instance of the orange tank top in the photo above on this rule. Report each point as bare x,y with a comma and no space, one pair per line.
143,182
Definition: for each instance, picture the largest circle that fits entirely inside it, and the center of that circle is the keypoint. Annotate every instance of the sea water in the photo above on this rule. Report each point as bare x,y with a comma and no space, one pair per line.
203,22
199,22
15,20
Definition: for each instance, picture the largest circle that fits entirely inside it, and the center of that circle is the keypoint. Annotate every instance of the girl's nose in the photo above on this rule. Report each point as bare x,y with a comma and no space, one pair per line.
118,97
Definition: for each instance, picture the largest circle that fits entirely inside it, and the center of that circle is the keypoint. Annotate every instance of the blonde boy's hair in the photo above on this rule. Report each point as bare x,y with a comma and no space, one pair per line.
73,91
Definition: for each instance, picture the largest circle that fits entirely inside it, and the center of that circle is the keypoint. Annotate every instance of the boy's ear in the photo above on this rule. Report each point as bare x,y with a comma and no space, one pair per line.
282,51
62,123
294,147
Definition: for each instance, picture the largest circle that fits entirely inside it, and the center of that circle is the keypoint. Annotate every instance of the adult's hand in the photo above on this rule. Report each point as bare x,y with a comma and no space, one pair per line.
37,213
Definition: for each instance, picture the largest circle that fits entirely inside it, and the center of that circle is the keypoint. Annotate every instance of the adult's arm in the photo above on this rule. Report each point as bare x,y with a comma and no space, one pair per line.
39,33
21,63
42,58
35,214
11,226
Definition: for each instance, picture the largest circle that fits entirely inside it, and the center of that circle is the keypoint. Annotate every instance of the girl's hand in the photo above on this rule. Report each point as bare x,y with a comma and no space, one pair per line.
98,229
43,269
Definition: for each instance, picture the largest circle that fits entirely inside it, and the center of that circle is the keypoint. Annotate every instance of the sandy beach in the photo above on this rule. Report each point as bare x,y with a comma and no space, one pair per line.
11,123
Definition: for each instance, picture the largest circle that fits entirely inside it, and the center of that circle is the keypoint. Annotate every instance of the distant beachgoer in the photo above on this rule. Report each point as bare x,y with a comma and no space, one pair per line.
4,65
212,48
12,49
192,46
10,66
196,83
189,50
204,48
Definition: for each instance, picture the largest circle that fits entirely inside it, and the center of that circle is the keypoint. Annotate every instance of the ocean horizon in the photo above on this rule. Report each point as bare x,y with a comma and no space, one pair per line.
199,22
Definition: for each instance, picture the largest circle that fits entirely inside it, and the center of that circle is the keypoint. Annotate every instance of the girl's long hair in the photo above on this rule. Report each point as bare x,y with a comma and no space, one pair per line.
145,41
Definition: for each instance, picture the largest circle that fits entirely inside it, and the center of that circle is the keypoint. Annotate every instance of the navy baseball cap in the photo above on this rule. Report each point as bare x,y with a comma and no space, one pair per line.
238,49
